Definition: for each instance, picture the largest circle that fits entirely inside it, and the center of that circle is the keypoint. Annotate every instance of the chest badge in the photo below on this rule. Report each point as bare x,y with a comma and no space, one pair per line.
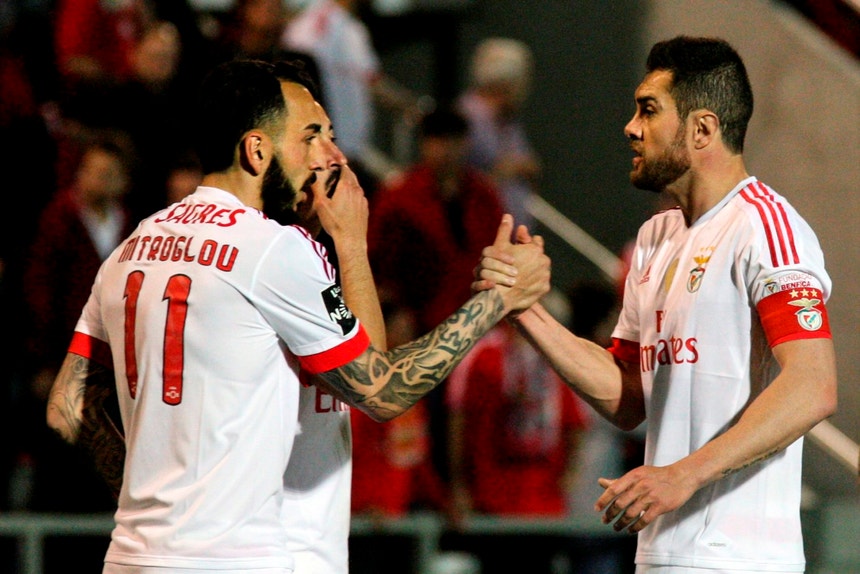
694,281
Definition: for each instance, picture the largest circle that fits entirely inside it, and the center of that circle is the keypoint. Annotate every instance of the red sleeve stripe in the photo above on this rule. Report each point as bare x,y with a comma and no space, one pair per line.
91,348
780,237
338,356
624,350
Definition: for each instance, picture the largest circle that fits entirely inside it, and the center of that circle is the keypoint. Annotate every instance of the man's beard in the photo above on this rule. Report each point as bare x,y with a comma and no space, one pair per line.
278,195
657,174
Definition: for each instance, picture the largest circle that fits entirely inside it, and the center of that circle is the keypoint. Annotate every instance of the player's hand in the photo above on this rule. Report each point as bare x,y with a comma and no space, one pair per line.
521,271
633,501
531,279
496,266
343,215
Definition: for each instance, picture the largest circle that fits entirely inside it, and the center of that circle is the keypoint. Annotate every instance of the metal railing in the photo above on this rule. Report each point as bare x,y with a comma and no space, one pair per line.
32,528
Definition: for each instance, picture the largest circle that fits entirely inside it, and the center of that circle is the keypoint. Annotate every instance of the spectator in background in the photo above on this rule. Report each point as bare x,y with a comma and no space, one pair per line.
26,146
426,231
94,40
514,436
514,430
131,65
500,80
353,83
254,29
184,174
78,228
150,105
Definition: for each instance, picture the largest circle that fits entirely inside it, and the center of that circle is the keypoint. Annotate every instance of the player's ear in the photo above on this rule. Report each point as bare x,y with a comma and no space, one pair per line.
706,124
253,154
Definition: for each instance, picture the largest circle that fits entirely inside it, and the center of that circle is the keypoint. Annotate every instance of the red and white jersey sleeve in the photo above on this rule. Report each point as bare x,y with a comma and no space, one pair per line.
703,306
208,309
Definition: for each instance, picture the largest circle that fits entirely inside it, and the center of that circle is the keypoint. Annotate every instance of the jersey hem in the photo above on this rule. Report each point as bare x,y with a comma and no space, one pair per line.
199,563
647,559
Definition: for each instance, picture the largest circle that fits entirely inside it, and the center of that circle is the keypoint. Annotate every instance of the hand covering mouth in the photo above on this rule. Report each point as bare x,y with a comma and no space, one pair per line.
307,187
331,183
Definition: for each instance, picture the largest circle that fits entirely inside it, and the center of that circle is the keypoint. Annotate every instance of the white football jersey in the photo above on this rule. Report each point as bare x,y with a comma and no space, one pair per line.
318,485
200,306
703,305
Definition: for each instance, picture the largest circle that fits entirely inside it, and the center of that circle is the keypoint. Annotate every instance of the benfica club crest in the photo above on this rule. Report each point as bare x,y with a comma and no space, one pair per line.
694,281
808,316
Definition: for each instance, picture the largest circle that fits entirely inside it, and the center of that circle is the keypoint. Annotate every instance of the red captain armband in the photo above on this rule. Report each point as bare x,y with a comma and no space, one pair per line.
92,349
794,314
338,356
624,350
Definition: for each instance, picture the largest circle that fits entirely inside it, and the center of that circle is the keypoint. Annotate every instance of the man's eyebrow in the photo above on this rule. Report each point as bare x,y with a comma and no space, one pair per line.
645,100
312,127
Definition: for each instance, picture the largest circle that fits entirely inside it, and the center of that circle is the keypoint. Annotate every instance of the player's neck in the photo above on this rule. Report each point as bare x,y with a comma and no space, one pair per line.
237,183
698,191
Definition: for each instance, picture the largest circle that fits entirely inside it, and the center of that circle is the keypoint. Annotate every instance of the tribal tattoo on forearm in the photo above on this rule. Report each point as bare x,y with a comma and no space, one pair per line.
80,395
412,370
100,437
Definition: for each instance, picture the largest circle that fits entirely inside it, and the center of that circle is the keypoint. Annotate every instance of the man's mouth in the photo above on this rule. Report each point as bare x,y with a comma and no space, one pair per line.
637,156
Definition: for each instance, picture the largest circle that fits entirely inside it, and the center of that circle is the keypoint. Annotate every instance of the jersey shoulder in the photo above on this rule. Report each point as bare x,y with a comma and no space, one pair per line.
780,229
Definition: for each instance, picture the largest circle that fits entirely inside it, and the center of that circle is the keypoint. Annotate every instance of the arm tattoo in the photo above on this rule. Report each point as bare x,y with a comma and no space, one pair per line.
389,383
79,397
100,436
729,471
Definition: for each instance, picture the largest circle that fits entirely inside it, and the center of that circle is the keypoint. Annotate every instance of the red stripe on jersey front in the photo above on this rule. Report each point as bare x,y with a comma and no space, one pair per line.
91,348
624,350
794,314
338,356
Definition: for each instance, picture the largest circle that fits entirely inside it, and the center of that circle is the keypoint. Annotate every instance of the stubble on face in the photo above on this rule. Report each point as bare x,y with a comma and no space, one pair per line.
279,195
656,174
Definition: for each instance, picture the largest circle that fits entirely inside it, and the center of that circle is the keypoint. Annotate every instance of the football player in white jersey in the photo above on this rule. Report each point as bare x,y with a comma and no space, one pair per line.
202,320
723,344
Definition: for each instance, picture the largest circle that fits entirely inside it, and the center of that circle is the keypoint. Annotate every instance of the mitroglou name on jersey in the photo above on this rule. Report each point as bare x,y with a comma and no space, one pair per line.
179,248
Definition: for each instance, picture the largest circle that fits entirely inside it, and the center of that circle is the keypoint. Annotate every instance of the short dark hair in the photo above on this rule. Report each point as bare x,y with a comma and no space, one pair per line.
237,96
707,73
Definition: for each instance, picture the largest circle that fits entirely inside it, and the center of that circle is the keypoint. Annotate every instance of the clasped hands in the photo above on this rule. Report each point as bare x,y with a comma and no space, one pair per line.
520,269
